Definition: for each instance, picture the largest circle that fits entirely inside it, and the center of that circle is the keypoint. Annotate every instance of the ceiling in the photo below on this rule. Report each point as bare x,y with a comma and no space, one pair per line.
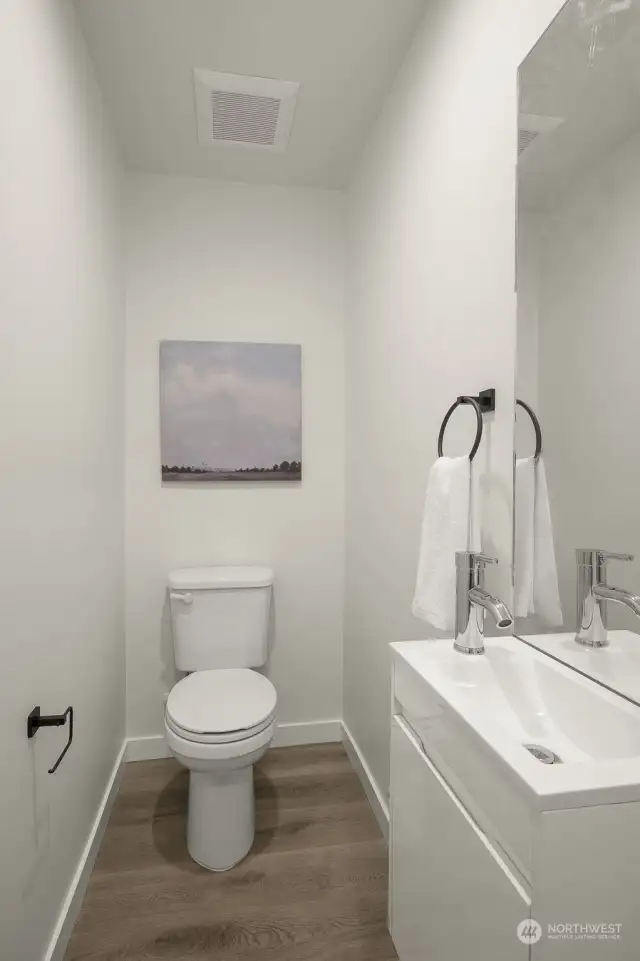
584,71
343,53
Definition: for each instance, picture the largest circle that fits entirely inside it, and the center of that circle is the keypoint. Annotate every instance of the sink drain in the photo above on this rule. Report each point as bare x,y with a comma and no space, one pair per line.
543,754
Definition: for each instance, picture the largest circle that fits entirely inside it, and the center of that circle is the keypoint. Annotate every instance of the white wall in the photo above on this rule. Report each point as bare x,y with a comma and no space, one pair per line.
214,261
589,387
431,314
61,476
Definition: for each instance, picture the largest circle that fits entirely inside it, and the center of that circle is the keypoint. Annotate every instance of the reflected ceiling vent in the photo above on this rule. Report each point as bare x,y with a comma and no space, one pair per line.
525,139
244,111
531,126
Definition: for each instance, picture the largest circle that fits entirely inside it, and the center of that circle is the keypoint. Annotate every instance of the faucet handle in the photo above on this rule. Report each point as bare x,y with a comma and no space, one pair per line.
612,556
469,559
596,558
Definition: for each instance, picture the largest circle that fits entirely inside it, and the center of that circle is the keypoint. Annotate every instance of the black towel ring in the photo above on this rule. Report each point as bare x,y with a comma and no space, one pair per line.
476,406
536,426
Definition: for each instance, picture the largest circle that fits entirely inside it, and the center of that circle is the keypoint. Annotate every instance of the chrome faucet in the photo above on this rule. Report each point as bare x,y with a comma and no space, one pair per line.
472,601
593,592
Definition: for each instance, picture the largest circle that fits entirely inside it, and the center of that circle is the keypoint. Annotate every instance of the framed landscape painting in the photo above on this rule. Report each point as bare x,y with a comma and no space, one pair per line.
230,412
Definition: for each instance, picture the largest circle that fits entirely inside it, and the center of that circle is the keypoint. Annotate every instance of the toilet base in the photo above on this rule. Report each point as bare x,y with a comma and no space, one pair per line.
221,819
221,815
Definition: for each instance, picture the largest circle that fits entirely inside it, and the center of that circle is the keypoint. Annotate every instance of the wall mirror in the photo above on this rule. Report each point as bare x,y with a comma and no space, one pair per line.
578,343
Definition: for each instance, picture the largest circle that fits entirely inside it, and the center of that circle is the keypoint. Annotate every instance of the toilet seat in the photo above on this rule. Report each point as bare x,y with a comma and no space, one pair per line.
230,737
221,706
208,756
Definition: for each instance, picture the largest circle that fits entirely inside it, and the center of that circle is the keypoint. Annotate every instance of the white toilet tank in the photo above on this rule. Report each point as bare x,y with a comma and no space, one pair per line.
220,616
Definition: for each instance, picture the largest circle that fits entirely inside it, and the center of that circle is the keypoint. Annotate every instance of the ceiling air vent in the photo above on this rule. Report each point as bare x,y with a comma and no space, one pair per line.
244,111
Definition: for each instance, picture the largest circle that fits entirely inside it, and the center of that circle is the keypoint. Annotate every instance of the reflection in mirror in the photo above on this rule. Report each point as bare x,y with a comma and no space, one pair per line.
578,357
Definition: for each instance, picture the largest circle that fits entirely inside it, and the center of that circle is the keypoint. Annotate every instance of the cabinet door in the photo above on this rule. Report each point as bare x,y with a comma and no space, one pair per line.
451,897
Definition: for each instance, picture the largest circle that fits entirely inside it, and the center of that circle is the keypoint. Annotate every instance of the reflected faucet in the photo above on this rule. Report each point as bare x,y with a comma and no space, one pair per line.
472,601
593,592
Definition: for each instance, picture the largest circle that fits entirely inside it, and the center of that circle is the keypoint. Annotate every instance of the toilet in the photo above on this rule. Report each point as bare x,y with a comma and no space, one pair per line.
220,718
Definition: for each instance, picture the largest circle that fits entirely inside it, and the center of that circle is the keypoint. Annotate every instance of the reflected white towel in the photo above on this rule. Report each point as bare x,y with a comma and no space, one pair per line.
451,522
536,588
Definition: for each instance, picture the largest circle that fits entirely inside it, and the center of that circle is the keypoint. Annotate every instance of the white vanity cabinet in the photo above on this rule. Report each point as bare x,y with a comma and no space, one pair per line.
484,836
452,897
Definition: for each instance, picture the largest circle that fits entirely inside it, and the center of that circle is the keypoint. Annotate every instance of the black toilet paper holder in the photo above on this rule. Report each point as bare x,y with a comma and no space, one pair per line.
36,720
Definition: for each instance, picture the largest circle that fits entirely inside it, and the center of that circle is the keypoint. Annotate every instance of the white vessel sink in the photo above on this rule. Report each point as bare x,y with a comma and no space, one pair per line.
617,666
496,704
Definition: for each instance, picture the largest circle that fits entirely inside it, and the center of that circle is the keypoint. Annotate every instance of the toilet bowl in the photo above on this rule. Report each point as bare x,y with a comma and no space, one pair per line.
218,724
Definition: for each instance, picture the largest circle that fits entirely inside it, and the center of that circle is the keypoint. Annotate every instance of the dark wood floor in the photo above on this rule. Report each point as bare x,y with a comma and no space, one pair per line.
314,886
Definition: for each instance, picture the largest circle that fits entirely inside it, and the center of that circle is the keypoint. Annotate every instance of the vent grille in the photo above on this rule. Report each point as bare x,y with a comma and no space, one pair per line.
249,112
244,118
526,138
531,126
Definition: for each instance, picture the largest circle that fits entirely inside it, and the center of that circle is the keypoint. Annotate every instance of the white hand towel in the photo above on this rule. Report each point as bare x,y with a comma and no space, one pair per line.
536,589
451,523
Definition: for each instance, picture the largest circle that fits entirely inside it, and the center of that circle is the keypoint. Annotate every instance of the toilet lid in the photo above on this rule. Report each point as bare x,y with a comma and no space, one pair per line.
219,702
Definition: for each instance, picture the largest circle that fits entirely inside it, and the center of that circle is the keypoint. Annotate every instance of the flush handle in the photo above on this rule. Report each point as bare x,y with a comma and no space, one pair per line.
185,598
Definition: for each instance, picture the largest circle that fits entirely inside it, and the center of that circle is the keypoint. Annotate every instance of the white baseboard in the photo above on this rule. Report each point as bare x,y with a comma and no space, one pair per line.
287,735
375,796
307,732
147,748
73,901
